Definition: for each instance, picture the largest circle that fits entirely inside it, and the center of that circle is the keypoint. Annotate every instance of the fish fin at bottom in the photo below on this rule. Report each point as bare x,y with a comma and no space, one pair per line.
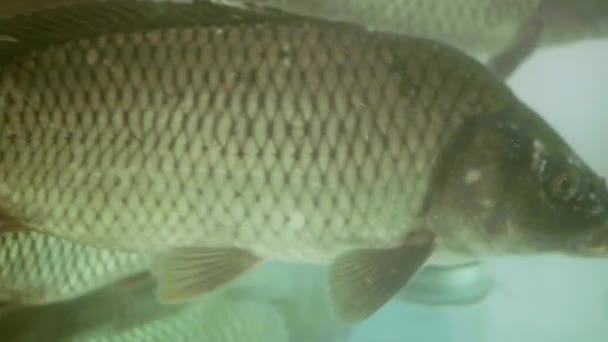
140,281
187,272
362,280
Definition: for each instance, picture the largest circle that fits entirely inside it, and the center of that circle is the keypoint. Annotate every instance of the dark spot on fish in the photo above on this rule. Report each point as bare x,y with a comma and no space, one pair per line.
342,127
249,128
288,129
232,128
350,152
240,153
323,177
296,154
306,128
249,77
11,137
333,153
171,145
269,129
10,100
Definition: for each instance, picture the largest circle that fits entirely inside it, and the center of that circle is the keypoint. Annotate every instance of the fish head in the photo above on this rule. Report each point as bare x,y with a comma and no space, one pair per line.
510,185
559,204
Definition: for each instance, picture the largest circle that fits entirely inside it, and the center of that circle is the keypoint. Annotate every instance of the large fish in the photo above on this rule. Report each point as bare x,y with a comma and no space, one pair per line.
114,308
242,137
505,31
480,26
39,268
215,319
116,313
276,301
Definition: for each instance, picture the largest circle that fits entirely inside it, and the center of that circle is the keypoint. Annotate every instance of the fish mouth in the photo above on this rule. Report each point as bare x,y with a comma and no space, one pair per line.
595,242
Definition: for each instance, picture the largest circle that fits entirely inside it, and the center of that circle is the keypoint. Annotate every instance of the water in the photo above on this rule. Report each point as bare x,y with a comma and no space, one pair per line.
546,298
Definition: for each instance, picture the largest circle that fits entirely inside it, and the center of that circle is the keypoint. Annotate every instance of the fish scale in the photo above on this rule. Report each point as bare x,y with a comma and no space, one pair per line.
212,320
179,137
455,22
39,268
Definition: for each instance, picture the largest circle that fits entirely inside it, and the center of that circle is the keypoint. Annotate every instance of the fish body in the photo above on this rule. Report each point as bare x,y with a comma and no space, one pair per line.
209,320
479,27
501,33
258,137
247,310
40,269
111,308
482,27
218,146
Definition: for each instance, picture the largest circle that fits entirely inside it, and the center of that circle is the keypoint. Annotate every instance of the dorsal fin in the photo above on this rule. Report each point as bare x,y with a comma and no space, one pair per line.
74,19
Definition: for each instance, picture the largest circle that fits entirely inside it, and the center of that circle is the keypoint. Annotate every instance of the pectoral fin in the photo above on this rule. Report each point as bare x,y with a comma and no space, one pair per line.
141,281
361,281
188,272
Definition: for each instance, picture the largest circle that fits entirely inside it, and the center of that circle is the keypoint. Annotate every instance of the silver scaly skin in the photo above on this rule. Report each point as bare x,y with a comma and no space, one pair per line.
40,269
480,27
475,26
213,319
259,137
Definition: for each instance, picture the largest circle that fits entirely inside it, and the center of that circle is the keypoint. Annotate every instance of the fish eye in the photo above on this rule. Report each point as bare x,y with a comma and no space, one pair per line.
565,185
